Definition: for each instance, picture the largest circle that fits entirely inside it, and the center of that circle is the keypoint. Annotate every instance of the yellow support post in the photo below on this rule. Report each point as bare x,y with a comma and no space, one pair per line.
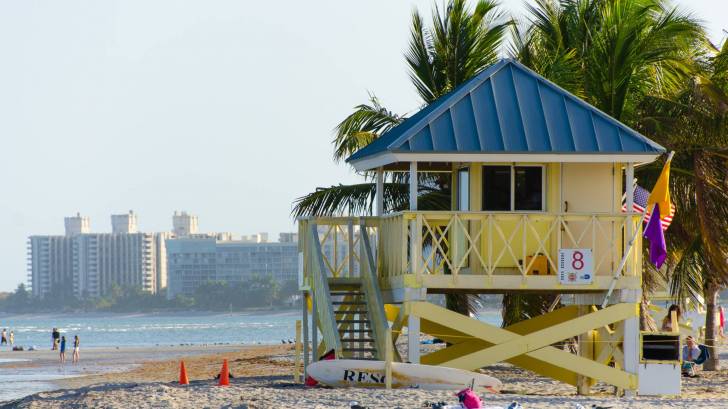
388,355
297,359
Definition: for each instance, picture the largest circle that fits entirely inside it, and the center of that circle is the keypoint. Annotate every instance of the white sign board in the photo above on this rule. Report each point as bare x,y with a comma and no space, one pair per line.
576,266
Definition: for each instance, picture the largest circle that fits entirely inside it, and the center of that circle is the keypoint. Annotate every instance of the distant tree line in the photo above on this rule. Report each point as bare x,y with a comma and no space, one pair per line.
257,292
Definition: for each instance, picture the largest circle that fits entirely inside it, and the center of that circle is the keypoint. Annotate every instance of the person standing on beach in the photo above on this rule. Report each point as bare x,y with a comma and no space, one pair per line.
63,350
12,338
76,346
4,339
55,335
667,321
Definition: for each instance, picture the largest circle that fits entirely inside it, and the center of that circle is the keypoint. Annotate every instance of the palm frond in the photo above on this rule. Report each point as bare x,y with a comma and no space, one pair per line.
519,307
458,44
361,127
686,278
358,199
342,200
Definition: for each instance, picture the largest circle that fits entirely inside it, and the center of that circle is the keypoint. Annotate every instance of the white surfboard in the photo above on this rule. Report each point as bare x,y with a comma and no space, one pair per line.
370,374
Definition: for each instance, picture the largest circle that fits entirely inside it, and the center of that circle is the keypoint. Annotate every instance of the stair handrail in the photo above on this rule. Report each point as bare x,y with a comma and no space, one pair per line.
375,303
322,295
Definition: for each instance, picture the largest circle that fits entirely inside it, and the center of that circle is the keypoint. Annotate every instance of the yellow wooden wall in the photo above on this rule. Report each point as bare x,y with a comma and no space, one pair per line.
586,187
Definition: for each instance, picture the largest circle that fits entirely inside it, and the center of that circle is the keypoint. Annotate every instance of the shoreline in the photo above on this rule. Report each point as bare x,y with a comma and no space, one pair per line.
152,329
27,372
262,378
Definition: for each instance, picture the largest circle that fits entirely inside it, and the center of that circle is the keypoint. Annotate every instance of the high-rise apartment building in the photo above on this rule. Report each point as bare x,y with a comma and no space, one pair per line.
51,263
77,225
288,237
184,224
127,260
255,238
90,263
195,261
124,223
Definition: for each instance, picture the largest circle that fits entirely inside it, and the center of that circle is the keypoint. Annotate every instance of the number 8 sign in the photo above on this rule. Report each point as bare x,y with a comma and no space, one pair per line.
576,266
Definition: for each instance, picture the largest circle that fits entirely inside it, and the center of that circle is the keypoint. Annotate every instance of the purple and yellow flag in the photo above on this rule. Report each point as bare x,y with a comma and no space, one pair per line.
660,194
656,236
660,198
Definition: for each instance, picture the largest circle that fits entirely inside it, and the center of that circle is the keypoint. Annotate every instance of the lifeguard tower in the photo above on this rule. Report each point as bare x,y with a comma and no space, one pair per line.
537,180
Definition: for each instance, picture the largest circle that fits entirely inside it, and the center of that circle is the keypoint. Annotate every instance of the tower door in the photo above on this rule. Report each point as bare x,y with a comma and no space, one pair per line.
591,189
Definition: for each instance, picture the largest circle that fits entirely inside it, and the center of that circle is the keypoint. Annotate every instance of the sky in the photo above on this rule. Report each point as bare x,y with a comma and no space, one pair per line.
221,108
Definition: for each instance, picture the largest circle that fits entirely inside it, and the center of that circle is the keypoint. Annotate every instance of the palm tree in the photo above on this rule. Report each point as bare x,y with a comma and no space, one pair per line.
615,54
612,53
695,125
458,44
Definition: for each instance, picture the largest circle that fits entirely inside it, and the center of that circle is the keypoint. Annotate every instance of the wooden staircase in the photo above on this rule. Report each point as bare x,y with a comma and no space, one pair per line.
352,318
349,310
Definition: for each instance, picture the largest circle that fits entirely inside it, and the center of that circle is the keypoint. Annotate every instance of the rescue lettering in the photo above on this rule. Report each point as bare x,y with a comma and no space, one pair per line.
362,377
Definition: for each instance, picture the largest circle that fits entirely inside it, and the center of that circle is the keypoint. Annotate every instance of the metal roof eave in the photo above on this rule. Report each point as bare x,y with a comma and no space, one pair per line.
387,158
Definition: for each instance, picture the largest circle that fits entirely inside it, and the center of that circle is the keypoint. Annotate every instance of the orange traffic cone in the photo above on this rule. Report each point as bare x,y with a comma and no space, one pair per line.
183,374
224,374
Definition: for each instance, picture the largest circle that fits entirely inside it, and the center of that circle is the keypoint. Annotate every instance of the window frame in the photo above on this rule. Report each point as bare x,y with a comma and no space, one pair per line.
458,204
513,167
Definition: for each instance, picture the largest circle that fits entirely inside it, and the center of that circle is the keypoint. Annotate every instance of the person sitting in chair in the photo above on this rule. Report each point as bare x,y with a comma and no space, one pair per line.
692,355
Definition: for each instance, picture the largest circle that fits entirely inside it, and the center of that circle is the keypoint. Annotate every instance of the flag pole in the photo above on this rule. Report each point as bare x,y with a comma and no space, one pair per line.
618,271
669,157
630,247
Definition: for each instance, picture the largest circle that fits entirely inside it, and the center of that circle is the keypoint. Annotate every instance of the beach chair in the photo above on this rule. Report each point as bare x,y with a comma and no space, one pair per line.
688,368
704,355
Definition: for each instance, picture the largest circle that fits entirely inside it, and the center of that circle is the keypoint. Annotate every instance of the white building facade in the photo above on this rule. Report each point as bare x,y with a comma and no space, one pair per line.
88,264
184,224
192,262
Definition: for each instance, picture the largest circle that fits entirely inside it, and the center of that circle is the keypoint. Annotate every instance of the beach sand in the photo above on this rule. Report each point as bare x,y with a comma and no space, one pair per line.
263,380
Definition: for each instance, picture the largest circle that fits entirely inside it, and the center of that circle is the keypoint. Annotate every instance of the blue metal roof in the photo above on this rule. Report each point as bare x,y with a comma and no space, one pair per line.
507,109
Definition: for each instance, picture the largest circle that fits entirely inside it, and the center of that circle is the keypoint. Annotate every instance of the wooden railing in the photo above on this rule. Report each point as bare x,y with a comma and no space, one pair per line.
375,304
479,243
498,243
319,288
339,238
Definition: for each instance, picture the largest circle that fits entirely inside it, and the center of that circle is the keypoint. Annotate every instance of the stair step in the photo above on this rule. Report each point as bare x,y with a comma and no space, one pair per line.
349,302
360,349
345,293
344,283
350,312
352,321
351,331
354,340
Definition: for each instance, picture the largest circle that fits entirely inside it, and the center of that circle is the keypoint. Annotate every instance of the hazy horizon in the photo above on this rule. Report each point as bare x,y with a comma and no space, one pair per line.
223,109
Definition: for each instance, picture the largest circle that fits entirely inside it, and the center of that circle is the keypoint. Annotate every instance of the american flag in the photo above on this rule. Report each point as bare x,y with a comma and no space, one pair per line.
640,202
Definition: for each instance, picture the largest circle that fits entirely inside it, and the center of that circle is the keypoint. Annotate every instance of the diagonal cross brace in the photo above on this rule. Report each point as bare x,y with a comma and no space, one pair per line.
463,344
509,346
521,344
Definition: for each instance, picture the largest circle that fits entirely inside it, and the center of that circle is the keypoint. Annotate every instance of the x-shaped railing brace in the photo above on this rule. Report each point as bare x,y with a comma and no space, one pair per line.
526,344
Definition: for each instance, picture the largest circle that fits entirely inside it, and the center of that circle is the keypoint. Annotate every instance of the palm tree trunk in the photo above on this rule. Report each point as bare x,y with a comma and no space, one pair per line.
647,323
711,328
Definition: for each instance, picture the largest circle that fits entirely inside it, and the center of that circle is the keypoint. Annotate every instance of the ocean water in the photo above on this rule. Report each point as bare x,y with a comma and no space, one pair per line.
15,385
110,330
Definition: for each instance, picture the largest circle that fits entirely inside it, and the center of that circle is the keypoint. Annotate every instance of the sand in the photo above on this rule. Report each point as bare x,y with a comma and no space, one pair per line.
262,380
